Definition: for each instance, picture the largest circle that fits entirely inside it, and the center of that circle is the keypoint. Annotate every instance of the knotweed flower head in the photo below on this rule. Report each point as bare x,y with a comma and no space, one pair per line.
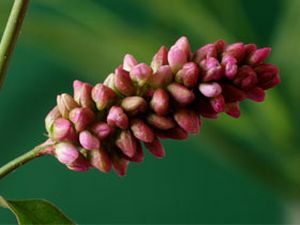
104,126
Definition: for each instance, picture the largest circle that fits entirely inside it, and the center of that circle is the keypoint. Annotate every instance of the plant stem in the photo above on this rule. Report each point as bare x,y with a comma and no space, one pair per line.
11,34
21,160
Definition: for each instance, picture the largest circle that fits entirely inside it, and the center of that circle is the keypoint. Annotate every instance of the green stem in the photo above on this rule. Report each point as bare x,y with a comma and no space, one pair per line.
21,160
11,34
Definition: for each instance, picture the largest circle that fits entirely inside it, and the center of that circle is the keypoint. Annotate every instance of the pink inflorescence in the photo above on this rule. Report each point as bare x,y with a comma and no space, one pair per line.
105,125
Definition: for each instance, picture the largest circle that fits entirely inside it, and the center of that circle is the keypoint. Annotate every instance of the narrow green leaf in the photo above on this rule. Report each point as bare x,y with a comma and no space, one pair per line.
35,211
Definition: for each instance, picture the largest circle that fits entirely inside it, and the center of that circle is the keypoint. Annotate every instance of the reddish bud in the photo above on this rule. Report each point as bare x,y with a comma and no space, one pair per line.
117,118
233,109
176,133
232,93
139,155
160,102
129,62
218,103
120,165
88,141
81,164
268,76
177,57
66,152
210,89
212,69
188,75
65,104
206,51
101,130
102,96
259,56
236,50
134,105
100,159
160,122
203,107
246,78
162,77
187,120
156,148
181,94
127,143
62,130
81,117
82,94
141,73
183,44
123,83
142,131
160,58
51,117
230,66
256,94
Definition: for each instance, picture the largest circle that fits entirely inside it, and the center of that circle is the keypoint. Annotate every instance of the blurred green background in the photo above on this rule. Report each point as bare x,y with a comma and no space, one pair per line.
235,171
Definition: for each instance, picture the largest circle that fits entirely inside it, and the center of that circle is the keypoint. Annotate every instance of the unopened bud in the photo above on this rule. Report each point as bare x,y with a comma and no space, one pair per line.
233,109
81,164
129,62
88,141
142,131
160,102
134,105
103,96
62,130
236,50
268,76
160,58
51,117
212,69
160,122
141,73
210,89
232,93
218,103
66,152
177,57
100,159
246,78
205,109
181,94
127,143
123,82
259,56
175,133
101,130
65,104
139,155
256,94
206,51
82,94
187,120
117,118
110,82
156,148
81,117
188,75
231,67
163,77
183,43
120,165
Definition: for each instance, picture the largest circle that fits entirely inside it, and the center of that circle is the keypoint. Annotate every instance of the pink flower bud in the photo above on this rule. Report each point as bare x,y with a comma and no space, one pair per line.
205,109
246,78
218,103
233,109
123,82
177,57
81,164
102,96
181,94
188,75
129,62
62,130
183,43
160,58
176,133
232,93
236,50
65,104
206,51
100,159
51,117
256,94
212,69
142,131
163,77
66,152
110,82
156,148
139,155
210,89
160,122
160,102
141,73
117,118
231,67
127,143
259,56
134,105
81,117
82,94
120,165
88,141
101,130
249,49
187,120
268,76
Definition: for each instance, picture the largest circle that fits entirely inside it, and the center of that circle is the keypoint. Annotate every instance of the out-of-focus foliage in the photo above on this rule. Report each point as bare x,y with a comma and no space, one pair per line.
63,40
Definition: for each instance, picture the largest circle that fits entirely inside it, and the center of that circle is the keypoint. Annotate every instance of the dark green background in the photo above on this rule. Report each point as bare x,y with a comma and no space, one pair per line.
227,174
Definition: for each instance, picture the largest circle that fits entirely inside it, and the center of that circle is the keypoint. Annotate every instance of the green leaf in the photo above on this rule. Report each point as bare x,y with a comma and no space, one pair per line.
35,211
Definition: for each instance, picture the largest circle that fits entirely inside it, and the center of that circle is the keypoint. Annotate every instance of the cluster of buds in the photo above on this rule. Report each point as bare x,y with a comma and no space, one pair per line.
104,126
